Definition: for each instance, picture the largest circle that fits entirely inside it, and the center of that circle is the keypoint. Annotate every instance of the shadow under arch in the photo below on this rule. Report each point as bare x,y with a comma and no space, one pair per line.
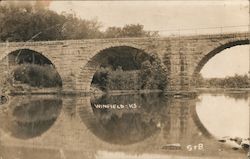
103,56
215,51
29,56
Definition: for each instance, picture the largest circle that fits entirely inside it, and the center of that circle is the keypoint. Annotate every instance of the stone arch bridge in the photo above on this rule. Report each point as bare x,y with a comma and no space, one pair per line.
77,60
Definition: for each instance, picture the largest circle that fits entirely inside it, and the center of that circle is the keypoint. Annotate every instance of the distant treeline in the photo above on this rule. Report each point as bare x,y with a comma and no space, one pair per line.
22,21
150,76
236,81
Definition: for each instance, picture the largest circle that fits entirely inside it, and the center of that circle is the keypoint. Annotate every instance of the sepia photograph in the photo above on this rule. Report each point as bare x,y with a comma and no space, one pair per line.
136,79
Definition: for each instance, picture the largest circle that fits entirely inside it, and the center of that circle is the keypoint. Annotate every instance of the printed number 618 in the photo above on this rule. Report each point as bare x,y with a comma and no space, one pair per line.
199,147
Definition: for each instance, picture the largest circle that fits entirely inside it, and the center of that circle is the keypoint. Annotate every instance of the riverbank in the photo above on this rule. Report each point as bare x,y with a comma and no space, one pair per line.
60,92
98,92
223,90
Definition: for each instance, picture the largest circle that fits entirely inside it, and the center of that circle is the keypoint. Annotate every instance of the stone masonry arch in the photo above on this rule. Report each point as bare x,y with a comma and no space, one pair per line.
43,52
87,71
214,50
211,53
40,51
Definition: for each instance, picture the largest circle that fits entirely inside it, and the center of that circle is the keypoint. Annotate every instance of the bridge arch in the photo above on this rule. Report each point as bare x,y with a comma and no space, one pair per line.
41,51
96,59
16,56
216,50
21,55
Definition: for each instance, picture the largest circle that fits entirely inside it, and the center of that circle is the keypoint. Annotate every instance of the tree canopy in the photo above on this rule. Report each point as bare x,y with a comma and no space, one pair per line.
25,21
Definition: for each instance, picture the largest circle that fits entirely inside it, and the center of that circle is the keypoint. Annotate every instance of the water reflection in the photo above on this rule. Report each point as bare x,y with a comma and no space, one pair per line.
134,126
225,114
130,118
29,116
134,118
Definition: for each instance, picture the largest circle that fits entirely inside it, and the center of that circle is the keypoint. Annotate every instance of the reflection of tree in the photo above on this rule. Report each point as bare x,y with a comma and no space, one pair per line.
124,126
237,95
127,129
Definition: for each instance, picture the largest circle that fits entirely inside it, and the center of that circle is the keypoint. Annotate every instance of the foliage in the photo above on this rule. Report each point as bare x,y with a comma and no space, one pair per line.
122,80
100,78
236,81
150,76
37,75
23,21
131,30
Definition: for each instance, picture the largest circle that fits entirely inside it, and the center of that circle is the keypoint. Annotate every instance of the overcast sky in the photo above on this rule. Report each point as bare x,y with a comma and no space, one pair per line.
174,15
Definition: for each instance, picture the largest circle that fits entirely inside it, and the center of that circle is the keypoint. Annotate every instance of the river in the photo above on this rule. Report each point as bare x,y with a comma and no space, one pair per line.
124,126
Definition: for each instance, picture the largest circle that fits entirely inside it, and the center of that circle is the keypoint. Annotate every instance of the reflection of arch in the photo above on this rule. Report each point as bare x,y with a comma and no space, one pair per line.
199,124
121,128
98,121
30,117
213,52
88,70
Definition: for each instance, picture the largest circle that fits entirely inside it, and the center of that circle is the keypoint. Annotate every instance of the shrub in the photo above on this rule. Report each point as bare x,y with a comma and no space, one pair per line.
37,75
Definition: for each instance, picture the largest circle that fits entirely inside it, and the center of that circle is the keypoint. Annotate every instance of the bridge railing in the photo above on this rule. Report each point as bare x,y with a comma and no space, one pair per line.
203,31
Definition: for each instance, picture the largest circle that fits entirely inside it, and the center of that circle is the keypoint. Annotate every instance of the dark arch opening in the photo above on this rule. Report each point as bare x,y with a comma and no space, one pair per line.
127,68
28,67
128,58
25,56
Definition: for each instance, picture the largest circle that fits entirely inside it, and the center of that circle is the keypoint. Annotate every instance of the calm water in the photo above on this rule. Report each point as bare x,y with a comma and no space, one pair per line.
124,126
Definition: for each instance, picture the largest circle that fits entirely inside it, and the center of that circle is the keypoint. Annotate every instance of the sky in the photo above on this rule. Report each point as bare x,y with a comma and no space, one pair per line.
228,63
168,17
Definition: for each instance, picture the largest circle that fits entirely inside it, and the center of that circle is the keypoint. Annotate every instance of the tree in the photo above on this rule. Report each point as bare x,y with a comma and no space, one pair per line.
23,22
129,30
236,81
133,30
152,76
199,80
113,32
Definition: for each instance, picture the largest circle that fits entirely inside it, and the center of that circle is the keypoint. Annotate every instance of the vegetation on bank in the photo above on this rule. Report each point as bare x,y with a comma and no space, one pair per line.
37,75
150,76
236,81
